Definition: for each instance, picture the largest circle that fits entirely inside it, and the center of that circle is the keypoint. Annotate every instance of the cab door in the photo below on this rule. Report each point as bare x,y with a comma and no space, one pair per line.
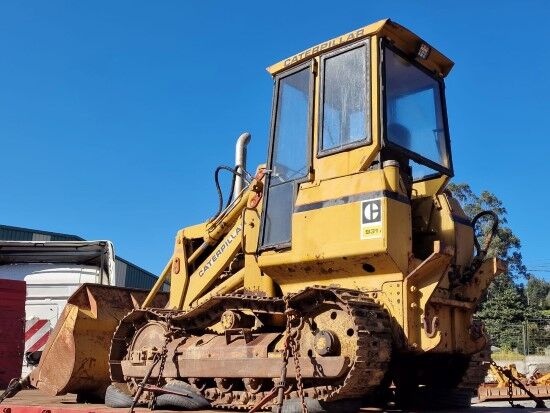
289,154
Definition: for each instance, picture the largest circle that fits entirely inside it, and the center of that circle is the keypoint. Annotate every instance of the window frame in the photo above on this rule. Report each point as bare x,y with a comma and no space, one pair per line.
275,106
439,170
367,140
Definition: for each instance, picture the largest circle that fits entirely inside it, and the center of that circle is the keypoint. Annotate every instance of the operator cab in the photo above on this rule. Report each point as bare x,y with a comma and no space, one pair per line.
349,105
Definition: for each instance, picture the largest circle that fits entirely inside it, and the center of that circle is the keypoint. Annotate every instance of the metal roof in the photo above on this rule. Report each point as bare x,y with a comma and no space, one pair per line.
74,252
134,276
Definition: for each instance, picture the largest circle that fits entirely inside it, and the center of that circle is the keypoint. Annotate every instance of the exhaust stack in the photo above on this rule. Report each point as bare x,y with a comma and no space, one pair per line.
240,162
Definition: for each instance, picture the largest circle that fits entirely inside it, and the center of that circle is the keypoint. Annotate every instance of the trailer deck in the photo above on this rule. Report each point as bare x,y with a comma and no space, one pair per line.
32,401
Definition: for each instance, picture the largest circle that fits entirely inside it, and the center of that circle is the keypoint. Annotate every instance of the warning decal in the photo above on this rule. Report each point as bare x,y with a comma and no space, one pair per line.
371,219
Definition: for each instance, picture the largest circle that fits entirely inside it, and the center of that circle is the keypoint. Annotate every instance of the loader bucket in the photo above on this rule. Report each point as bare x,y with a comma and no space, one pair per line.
75,359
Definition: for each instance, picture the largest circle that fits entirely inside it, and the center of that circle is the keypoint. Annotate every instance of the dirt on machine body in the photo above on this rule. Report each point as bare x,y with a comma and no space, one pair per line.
342,266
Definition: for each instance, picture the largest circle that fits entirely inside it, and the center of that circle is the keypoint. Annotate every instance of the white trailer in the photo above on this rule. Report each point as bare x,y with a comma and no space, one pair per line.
53,270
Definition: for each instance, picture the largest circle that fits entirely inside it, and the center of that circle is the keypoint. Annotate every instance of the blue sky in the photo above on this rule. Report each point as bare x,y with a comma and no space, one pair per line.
114,114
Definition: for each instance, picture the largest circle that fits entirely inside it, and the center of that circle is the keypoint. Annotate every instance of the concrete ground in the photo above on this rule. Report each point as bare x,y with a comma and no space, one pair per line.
29,401
490,407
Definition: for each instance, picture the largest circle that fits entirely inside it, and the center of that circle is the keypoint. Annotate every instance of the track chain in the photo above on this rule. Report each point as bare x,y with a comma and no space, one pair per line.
373,342
370,324
374,346
477,369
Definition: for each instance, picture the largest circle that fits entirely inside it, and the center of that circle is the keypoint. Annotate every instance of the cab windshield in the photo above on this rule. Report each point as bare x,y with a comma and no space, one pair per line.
415,116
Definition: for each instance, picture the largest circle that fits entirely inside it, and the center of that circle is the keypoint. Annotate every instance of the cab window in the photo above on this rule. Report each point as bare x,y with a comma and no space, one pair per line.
345,109
415,115
290,154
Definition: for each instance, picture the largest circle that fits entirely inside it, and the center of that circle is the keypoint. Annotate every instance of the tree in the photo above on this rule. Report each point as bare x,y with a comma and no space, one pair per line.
505,307
503,313
506,245
538,291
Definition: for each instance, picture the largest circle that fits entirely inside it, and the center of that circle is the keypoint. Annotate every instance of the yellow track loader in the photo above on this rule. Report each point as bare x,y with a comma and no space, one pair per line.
339,267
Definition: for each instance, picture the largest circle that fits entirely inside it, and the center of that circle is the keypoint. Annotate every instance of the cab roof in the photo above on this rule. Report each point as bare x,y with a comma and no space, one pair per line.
401,37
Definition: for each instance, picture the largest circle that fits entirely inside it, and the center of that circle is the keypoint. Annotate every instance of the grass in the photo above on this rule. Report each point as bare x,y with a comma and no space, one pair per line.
507,355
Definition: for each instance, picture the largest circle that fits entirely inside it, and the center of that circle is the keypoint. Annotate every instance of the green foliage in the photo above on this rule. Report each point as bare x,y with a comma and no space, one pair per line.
503,313
506,245
506,306
538,293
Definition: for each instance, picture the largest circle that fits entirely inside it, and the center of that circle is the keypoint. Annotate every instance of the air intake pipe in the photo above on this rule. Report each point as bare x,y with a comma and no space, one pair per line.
240,162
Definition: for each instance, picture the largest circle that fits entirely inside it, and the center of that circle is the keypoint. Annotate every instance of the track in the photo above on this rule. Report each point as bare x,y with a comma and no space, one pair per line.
476,370
360,325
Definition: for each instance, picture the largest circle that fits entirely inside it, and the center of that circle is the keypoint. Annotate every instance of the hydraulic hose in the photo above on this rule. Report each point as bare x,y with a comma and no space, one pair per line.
481,251
489,237
235,171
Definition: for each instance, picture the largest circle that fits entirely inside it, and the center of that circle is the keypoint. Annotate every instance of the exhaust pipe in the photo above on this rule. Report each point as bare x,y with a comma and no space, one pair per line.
240,162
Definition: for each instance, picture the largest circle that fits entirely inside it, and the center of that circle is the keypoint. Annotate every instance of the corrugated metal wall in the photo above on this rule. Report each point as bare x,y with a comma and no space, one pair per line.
12,328
8,233
133,276
14,234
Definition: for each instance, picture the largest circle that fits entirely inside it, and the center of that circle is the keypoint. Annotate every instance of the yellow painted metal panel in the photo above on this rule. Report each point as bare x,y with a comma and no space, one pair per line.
399,35
326,46
179,277
212,266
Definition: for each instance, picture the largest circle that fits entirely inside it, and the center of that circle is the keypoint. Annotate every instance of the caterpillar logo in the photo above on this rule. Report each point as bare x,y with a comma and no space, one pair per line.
371,219
218,253
313,51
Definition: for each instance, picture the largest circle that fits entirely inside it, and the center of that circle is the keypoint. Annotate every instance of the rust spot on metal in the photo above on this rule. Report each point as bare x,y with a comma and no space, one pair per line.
257,189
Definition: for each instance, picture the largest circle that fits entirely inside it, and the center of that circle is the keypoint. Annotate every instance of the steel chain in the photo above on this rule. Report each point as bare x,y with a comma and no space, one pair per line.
510,384
163,354
291,346
510,393
299,384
